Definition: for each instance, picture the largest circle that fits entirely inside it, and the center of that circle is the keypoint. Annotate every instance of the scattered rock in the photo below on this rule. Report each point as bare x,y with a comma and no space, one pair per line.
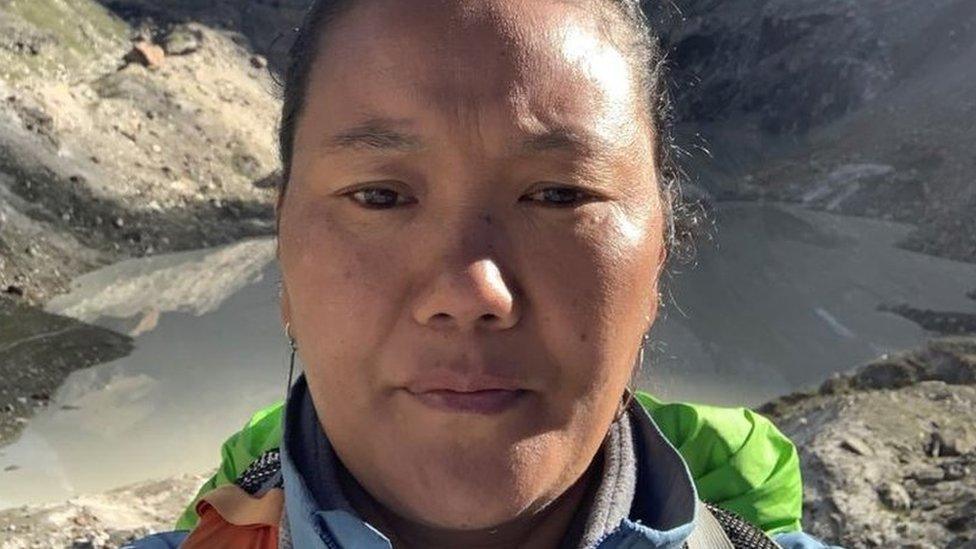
856,445
14,290
952,442
955,471
112,519
183,40
270,181
146,54
885,450
941,322
928,475
890,373
964,519
894,496
835,385
247,165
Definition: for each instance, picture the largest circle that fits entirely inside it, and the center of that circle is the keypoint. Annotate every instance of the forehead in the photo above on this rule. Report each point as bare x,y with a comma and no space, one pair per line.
532,64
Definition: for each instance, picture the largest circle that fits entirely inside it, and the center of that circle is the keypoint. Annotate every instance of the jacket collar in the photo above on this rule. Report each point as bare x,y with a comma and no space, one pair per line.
323,517
665,504
657,491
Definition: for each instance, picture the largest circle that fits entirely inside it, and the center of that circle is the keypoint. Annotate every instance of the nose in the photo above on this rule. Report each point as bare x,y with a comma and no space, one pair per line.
467,298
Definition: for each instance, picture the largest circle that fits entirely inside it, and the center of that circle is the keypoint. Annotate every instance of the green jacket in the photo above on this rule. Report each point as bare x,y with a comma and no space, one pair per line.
739,460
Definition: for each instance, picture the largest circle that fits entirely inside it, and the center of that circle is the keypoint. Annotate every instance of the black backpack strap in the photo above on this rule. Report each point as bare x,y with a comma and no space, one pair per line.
718,528
262,474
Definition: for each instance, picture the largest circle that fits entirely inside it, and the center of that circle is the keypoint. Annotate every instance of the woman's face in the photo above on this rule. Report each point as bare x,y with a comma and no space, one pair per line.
470,245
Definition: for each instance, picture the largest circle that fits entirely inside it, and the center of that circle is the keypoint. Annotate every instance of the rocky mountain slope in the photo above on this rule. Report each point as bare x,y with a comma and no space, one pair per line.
866,108
109,151
121,136
105,520
889,451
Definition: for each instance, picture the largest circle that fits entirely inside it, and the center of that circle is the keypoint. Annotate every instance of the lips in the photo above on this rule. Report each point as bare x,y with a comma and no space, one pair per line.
486,402
455,392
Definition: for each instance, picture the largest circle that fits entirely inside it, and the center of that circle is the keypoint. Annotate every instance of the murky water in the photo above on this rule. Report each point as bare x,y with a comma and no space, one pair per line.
780,300
785,297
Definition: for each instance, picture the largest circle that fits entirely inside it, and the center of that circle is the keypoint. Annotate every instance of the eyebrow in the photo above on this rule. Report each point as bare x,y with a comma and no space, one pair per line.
563,139
386,135
377,134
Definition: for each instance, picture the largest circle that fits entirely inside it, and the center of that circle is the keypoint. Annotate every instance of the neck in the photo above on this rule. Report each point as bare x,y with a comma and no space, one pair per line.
546,528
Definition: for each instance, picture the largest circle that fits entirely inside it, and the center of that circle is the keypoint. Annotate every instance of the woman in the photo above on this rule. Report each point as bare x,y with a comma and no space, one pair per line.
475,214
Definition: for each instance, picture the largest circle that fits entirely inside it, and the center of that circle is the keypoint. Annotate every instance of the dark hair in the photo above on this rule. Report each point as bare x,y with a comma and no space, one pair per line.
627,20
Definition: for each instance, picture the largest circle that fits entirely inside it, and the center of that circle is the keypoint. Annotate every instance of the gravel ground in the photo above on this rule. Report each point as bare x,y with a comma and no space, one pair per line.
889,452
105,520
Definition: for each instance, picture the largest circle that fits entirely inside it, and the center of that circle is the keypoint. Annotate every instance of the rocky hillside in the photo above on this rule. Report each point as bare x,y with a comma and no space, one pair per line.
866,108
889,452
122,134
122,140
106,520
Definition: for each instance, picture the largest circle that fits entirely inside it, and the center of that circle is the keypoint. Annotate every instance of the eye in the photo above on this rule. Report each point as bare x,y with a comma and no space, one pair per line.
378,198
559,196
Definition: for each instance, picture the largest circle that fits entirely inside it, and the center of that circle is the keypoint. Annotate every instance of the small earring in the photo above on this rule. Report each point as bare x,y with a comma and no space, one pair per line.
628,391
293,346
291,339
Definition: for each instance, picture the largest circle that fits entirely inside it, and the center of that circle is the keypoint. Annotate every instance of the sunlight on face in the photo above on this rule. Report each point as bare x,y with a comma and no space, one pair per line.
470,247
602,63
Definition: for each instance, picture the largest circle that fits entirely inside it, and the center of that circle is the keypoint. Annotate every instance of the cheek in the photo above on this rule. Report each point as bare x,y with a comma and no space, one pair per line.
340,293
603,285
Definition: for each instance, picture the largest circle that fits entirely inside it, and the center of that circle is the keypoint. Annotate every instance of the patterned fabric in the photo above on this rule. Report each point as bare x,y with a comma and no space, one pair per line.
742,534
263,474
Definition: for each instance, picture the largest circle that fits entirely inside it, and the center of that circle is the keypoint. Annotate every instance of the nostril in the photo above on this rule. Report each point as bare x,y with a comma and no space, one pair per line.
488,317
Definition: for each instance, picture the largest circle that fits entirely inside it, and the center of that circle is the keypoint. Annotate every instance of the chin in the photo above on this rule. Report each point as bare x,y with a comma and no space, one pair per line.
468,509
485,490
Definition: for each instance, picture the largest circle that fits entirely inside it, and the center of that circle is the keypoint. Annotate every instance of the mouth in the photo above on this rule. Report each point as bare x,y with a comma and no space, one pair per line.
484,402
